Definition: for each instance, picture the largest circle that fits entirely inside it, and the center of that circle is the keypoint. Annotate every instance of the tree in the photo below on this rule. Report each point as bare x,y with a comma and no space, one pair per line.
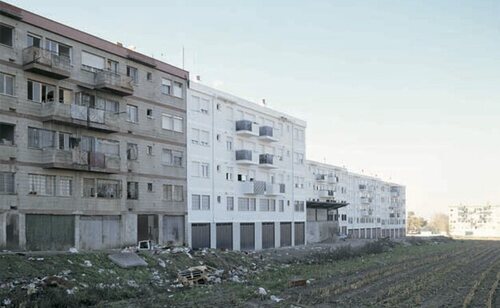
439,223
415,223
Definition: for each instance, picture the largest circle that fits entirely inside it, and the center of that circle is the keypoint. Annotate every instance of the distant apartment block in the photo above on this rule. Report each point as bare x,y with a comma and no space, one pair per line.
474,221
246,173
92,140
342,202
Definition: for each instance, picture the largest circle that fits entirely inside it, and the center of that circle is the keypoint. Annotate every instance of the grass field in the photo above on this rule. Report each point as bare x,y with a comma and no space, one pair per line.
411,273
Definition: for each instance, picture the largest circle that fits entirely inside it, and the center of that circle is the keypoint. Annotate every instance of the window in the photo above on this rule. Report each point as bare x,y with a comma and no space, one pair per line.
299,206
7,134
173,123
205,202
6,183
132,151
65,186
229,143
59,49
65,96
6,34
149,113
88,188
282,205
173,192
6,84
106,105
149,150
42,185
172,157
229,173
299,158
132,114
40,138
246,204
177,89
133,73
33,40
204,170
230,203
166,86
150,187
112,66
264,205
200,137
149,76
94,63
196,202
41,93
108,189
204,105
132,190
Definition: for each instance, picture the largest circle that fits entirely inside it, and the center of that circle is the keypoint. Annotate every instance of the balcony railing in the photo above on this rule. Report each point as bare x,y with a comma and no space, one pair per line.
266,159
77,159
243,155
321,177
246,128
114,82
46,62
327,193
266,134
253,187
78,115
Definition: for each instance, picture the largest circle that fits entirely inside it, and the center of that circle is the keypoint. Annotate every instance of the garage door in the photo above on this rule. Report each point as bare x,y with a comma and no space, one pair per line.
299,233
99,232
225,236
200,236
267,235
247,236
50,232
147,227
285,234
173,229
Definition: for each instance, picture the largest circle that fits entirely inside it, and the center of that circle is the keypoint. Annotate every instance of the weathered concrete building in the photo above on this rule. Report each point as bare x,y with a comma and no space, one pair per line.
92,139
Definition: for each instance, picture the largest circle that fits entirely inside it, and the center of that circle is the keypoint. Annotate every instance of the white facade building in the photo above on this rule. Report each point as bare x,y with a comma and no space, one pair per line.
246,173
374,208
474,221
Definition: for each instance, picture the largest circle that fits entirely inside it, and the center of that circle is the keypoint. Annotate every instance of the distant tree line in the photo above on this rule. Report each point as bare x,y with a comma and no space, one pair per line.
437,224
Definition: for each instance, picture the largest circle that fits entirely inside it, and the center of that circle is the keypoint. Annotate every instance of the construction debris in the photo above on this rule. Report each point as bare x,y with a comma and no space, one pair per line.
195,275
297,282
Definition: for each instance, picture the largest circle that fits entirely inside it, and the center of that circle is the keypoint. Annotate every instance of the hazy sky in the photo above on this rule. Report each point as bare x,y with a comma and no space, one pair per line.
407,90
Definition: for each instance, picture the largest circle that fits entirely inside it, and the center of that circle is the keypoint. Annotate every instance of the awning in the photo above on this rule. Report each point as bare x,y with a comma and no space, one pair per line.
330,205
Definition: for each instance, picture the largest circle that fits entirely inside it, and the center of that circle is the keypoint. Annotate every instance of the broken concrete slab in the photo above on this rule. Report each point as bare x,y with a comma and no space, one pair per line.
127,259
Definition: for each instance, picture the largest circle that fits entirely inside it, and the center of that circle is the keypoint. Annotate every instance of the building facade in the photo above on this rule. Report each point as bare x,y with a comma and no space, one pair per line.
357,205
92,140
475,221
246,173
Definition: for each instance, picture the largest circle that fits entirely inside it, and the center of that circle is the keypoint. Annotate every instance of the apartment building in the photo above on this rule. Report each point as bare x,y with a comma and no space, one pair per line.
92,140
246,173
360,206
475,221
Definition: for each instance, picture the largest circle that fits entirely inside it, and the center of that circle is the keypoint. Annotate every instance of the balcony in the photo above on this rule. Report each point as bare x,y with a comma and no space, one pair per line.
253,188
82,116
80,161
321,177
327,194
114,83
266,134
333,179
274,189
245,157
266,161
47,63
246,128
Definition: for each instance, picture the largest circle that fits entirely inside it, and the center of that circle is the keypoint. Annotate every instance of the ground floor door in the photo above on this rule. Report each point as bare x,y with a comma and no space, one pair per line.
147,227
100,232
224,236
268,235
50,232
299,233
200,236
173,229
247,236
285,234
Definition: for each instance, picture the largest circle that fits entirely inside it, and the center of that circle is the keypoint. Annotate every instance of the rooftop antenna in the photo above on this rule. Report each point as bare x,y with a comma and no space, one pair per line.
182,57
264,102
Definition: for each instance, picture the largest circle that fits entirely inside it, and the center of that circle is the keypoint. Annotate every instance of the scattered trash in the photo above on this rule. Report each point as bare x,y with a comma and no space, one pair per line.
262,292
195,275
276,299
132,284
297,282
6,302
87,263
145,245
73,250
162,263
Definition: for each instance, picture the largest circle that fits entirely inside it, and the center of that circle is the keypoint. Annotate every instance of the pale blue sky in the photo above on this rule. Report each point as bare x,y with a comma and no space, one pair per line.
407,90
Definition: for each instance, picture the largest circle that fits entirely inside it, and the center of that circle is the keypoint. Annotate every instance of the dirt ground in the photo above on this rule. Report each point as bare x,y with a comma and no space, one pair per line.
415,272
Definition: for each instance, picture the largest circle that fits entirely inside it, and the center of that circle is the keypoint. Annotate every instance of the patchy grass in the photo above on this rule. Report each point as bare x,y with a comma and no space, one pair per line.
105,284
